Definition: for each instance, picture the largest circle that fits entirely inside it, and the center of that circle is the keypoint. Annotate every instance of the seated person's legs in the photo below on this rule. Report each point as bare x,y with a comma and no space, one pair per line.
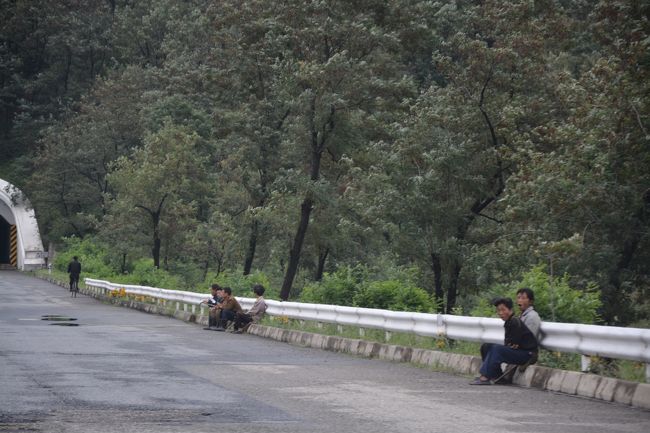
226,315
213,318
241,319
485,348
491,367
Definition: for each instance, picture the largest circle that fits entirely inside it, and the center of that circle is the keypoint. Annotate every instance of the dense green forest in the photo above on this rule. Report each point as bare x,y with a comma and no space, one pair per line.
426,152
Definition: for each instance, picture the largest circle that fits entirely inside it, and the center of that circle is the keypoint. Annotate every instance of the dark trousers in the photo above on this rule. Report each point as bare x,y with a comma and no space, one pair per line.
485,348
227,315
213,316
242,319
74,279
497,354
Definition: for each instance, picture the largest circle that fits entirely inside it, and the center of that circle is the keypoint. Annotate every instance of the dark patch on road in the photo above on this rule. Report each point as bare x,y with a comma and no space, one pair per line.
57,318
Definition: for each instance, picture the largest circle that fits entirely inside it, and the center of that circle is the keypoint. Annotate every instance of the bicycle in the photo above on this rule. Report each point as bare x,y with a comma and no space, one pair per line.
74,285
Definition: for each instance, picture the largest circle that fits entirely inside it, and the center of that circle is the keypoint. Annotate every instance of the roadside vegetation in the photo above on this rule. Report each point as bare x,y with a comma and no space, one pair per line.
356,287
406,154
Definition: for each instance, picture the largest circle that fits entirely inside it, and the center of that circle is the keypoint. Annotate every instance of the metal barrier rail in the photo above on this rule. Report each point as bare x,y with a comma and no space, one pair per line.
586,340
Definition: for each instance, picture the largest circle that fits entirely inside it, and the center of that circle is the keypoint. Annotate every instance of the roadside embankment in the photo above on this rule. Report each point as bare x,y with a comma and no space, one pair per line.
585,385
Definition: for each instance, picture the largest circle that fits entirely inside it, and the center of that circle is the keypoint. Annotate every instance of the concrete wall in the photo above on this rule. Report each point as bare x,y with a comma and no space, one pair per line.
16,209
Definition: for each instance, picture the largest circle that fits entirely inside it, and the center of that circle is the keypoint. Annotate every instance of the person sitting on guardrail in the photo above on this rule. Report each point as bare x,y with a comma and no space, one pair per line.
229,309
253,315
519,346
212,302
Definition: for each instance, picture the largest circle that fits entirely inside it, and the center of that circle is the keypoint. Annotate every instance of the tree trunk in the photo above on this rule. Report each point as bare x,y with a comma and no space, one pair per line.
252,245
294,254
155,222
322,258
437,282
612,311
206,266
452,290
155,250
318,144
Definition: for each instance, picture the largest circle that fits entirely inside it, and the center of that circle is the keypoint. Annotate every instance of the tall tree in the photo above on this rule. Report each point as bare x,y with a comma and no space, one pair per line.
69,181
587,174
160,182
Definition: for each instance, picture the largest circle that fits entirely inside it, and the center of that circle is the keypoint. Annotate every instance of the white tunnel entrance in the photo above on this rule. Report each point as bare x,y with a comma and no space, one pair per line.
20,242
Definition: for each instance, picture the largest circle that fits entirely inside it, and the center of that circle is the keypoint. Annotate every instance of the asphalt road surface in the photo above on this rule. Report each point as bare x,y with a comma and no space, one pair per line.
122,370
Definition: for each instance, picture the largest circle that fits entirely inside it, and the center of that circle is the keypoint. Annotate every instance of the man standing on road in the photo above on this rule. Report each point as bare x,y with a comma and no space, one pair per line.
74,269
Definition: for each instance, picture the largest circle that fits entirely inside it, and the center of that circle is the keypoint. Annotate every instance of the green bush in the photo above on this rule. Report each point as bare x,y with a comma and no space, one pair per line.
413,299
393,295
337,288
146,274
91,254
242,285
554,301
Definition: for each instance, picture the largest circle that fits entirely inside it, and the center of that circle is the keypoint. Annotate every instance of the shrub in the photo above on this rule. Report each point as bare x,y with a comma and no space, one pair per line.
413,299
146,274
91,254
242,285
555,300
393,295
338,288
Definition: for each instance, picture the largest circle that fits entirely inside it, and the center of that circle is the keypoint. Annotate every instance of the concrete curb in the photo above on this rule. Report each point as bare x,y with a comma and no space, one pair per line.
535,376
549,379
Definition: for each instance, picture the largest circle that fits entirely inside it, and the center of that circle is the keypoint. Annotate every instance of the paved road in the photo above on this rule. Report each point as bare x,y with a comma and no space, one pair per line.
125,371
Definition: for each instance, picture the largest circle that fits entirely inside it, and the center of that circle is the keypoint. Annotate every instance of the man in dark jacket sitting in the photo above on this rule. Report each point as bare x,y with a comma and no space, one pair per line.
519,345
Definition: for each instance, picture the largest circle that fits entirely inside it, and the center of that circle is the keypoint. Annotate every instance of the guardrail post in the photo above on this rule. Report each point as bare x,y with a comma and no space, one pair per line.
585,363
178,305
362,332
184,307
388,335
193,308
647,373
319,325
339,329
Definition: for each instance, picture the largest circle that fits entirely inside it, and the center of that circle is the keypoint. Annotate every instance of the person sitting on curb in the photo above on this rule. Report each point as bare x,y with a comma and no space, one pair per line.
256,312
528,315
525,300
212,302
519,345
229,309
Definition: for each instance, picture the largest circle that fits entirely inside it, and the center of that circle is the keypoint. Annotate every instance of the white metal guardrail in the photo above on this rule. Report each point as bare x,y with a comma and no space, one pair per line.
586,340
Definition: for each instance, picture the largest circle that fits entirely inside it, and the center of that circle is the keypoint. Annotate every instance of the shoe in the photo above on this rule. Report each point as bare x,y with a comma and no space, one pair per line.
219,328
478,381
